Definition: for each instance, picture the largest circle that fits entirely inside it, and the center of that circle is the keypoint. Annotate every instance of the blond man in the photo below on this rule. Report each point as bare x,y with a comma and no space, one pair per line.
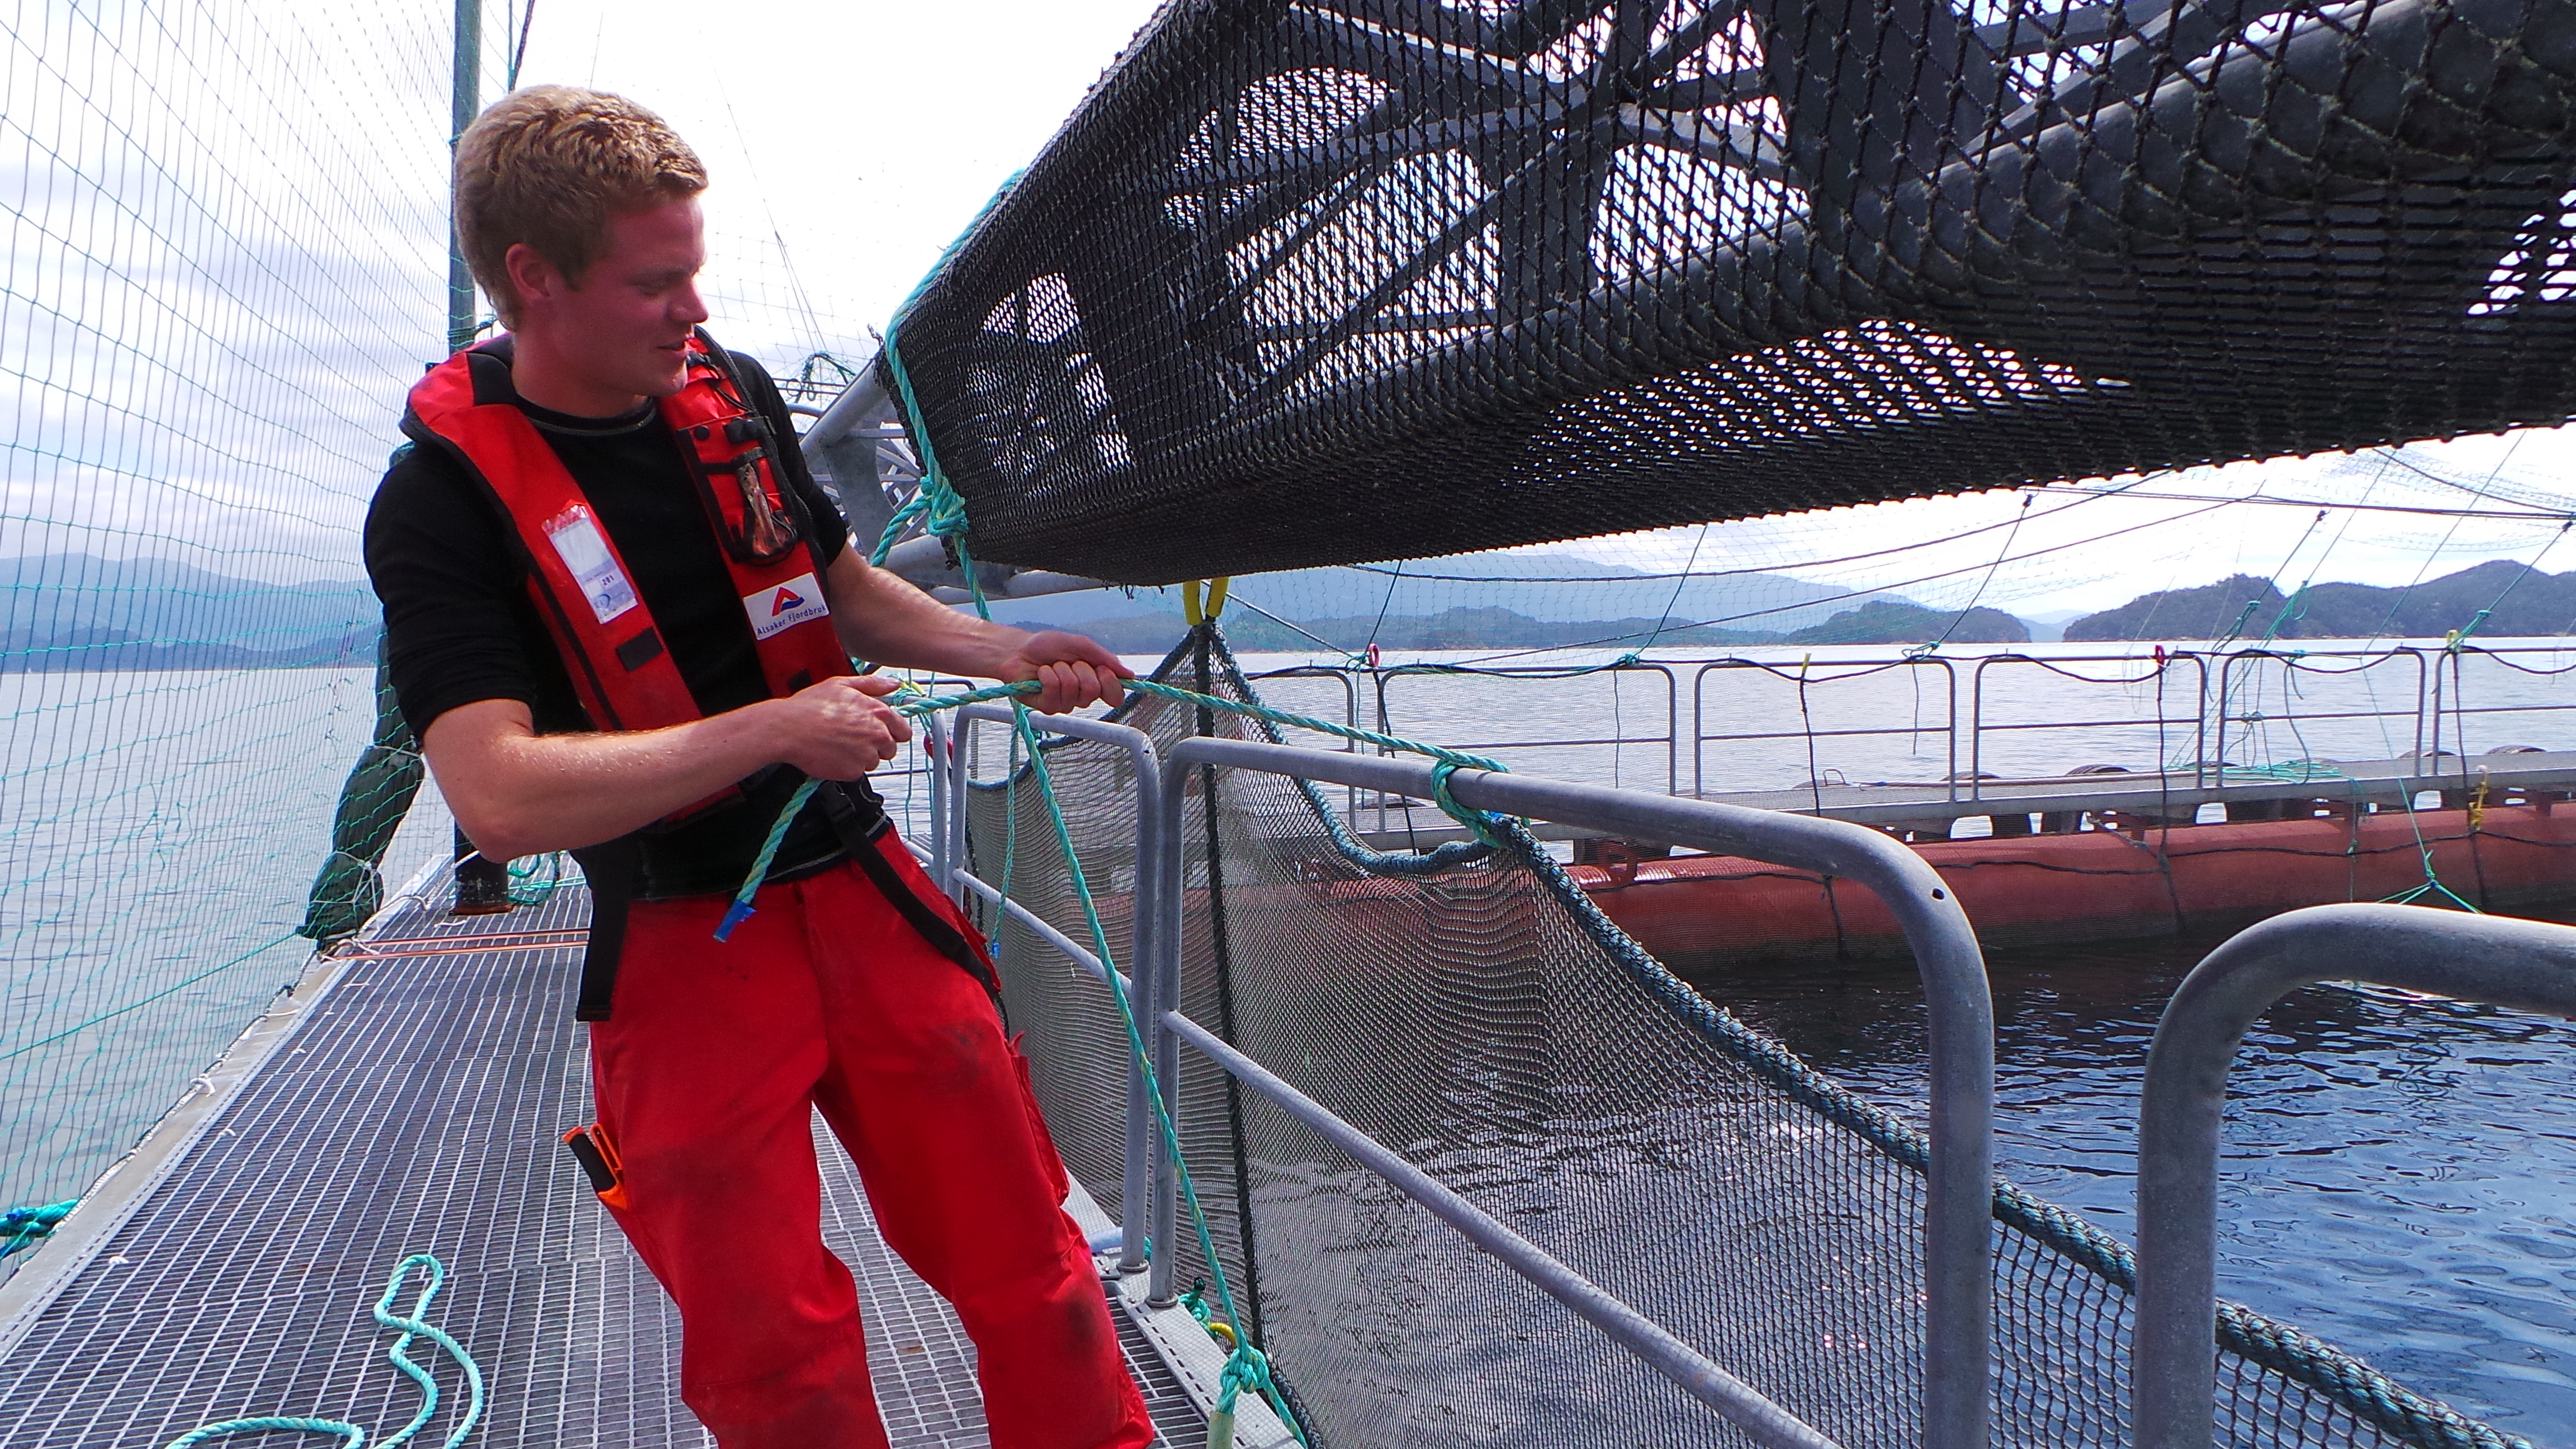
620,617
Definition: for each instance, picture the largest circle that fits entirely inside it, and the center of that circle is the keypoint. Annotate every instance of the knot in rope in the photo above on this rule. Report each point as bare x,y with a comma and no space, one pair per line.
1245,1368
1480,823
934,502
26,1226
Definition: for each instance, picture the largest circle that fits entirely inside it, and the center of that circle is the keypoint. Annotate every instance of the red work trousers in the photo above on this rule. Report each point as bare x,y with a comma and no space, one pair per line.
706,1076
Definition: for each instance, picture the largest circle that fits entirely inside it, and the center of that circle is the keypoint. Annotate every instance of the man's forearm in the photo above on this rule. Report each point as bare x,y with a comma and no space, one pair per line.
884,620
519,793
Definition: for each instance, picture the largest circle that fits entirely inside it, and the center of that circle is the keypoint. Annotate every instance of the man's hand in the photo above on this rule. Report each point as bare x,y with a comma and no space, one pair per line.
1072,670
841,728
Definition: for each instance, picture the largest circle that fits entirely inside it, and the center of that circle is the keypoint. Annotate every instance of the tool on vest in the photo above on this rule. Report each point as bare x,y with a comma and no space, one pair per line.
765,530
624,676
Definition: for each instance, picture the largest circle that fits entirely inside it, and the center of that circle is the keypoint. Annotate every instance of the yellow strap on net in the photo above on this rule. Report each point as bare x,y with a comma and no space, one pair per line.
1191,610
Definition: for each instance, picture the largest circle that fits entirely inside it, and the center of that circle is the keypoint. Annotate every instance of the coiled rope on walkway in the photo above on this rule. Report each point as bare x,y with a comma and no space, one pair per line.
412,1325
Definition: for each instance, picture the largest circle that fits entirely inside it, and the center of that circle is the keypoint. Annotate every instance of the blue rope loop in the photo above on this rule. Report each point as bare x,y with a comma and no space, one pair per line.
1479,822
412,1326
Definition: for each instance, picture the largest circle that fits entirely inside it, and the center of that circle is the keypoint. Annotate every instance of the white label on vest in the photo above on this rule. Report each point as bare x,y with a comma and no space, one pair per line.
578,543
789,604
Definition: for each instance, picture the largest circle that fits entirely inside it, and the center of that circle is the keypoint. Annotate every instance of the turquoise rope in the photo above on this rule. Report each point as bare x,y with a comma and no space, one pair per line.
1446,762
27,1226
412,1327
1246,1366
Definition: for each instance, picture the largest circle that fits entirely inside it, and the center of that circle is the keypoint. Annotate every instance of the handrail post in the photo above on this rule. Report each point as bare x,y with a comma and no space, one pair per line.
1672,730
1167,979
1976,736
2526,965
1146,920
934,747
1950,688
2200,726
958,772
1699,731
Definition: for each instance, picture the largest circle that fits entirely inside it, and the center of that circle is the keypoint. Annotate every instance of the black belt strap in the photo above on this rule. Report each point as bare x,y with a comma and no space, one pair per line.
611,867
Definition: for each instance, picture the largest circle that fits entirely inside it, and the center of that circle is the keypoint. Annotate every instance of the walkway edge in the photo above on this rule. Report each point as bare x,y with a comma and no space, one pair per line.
1185,1346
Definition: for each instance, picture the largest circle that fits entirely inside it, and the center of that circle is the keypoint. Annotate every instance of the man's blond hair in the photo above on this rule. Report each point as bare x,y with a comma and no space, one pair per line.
548,166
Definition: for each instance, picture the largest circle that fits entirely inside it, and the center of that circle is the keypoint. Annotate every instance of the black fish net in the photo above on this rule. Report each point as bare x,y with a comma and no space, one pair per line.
1478,1016
1318,281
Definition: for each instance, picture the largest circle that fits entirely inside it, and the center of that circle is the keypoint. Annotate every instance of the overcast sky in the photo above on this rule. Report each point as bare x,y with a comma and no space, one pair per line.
864,135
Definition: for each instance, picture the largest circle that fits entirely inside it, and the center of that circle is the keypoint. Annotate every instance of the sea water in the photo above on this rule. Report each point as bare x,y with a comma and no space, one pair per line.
2400,1175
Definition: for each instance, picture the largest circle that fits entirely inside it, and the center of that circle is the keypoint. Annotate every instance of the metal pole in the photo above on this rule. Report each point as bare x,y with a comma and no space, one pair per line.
958,779
2522,964
1976,735
934,745
1958,1247
1164,991
857,403
1699,731
467,102
1159,1287
1672,730
2200,727
1146,917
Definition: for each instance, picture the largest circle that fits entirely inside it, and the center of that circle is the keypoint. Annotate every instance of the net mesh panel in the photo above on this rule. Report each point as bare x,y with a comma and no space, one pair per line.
1474,1012
225,231
1315,281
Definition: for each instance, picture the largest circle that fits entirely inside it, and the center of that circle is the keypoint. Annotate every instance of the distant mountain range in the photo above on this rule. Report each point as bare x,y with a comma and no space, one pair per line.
1554,588
2526,603
74,611
1877,622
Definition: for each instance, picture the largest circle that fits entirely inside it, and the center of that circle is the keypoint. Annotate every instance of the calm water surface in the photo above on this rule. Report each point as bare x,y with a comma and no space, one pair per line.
2399,1175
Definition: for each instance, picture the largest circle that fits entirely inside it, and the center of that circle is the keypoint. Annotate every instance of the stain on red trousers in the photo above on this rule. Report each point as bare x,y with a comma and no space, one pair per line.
706,1075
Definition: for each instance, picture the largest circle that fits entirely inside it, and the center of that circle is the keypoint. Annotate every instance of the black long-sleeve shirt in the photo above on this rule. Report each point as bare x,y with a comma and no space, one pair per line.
460,625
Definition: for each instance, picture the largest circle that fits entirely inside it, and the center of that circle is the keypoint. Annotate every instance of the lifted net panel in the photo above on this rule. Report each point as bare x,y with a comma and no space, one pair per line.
1337,280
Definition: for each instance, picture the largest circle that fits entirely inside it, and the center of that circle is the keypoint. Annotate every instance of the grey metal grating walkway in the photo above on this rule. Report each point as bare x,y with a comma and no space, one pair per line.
415,1109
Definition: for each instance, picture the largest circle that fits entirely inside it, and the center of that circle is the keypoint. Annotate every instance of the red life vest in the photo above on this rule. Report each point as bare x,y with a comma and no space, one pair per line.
621,670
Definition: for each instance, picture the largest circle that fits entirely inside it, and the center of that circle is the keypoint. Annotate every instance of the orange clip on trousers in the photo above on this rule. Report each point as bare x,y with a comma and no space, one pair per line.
706,1074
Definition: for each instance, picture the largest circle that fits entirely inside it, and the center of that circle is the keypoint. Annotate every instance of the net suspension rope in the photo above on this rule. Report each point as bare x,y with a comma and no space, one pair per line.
942,514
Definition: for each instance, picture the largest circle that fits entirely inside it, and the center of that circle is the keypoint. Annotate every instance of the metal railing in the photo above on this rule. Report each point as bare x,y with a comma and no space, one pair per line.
2521,964
948,867
1386,679
2205,709
1958,1247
